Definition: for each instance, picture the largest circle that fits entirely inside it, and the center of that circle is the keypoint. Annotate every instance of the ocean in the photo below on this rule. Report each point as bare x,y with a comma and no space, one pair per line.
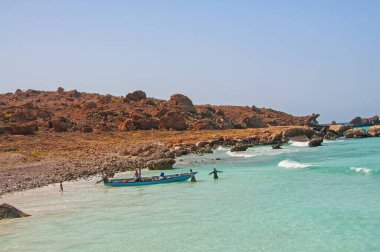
294,199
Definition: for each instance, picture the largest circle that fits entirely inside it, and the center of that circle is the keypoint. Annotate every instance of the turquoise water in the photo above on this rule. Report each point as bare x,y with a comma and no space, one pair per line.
294,199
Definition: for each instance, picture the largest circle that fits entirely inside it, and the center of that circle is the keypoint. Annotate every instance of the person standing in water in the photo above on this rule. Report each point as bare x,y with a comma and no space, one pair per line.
215,172
61,186
192,176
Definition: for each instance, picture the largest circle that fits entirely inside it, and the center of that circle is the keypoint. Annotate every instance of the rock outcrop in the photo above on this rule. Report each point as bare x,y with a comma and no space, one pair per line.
358,121
10,212
339,129
297,132
374,131
355,133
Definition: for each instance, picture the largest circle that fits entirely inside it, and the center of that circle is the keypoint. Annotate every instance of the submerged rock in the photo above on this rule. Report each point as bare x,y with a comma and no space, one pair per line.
239,148
10,212
276,146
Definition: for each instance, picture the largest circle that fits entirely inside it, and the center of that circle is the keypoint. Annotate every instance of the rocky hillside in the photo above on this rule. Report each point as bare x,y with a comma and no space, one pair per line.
31,111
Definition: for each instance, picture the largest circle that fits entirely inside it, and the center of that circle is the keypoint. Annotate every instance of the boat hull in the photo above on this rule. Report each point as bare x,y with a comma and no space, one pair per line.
153,181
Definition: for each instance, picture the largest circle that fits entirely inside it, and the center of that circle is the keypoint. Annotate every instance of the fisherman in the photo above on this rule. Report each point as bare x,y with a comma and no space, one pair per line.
162,176
192,176
215,172
104,179
137,175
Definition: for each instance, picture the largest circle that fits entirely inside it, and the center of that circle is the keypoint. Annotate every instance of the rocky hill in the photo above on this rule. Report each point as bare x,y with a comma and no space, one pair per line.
32,111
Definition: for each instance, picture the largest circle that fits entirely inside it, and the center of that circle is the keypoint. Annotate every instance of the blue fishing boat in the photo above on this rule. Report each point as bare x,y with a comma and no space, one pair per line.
180,177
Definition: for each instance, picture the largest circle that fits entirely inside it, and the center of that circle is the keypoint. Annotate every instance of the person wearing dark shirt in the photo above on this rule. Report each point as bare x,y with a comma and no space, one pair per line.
192,176
215,172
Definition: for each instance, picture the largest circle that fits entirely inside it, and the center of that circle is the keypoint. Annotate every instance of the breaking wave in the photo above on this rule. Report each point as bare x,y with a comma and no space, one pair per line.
364,170
290,164
298,144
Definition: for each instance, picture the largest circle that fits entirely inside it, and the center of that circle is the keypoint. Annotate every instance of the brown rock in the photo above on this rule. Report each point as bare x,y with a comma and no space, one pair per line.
182,102
355,133
173,120
297,131
331,135
161,164
374,131
146,124
240,148
339,128
315,142
10,212
136,96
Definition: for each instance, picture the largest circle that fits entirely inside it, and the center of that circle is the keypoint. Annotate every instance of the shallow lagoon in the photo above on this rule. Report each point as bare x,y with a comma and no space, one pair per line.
294,199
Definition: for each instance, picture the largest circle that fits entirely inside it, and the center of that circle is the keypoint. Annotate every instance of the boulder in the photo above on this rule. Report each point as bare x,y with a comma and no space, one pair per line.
10,212
135,96
355,133
239,148
183,102
315,142
254,122
339,128
276,146
161,164
374,131
173,120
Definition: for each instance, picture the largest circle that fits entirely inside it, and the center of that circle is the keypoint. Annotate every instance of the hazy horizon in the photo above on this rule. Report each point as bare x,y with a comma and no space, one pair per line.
295,56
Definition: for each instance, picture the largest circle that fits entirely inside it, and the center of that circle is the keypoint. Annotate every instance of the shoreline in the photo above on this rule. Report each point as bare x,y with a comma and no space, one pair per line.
34,161
29,162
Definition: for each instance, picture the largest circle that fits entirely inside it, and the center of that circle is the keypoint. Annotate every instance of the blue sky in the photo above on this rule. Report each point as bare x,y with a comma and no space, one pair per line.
296,56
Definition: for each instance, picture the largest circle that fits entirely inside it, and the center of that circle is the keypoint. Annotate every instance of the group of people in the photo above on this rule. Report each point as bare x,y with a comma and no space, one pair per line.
192,174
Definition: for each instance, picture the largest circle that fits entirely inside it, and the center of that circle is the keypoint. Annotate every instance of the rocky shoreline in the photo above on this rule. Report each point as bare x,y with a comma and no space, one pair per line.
33,161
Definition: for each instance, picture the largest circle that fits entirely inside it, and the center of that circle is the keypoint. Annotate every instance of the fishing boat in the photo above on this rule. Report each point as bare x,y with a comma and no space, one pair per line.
180,177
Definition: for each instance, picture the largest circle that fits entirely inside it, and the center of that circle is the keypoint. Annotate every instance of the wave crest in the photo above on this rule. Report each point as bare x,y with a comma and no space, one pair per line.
299,144
364,170
290,164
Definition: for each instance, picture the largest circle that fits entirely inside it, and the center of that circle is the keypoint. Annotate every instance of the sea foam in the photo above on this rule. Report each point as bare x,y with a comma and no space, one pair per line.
298,144
290,164
361,169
